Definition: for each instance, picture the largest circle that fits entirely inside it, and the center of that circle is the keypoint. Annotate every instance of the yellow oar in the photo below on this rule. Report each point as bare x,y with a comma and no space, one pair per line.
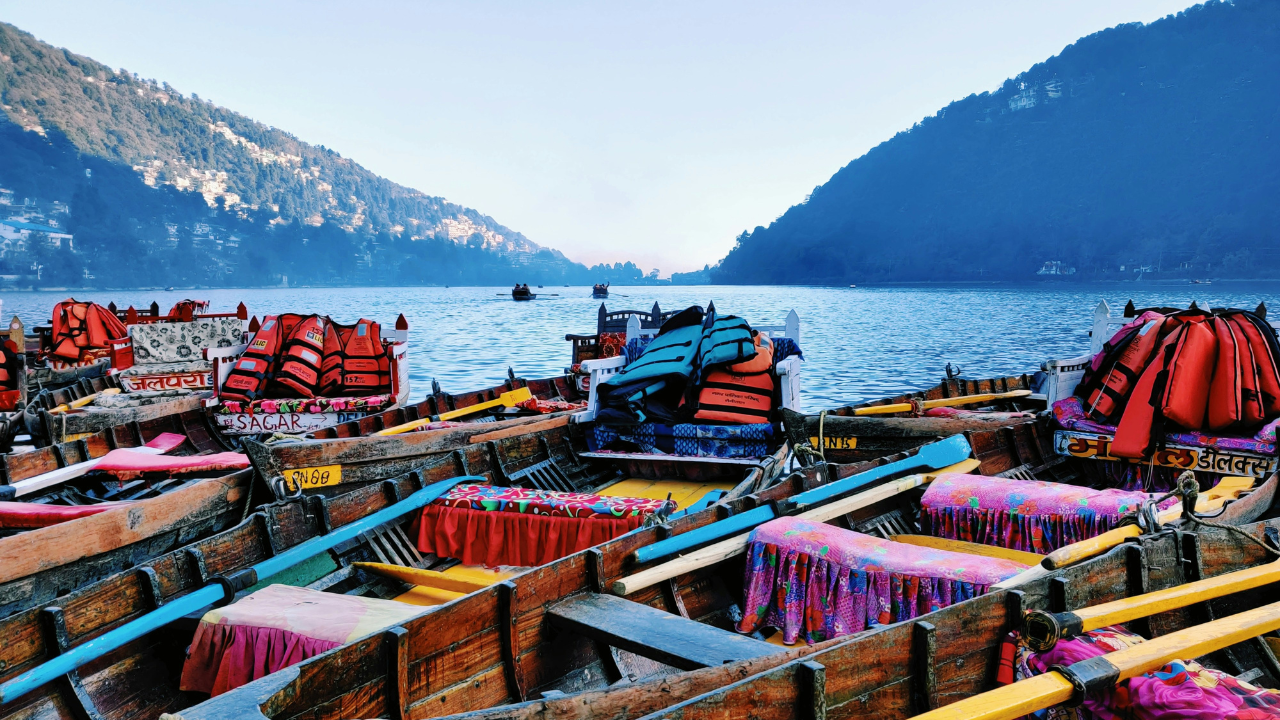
1227,489
87,399
944,402
506,399
1056,687
1042,630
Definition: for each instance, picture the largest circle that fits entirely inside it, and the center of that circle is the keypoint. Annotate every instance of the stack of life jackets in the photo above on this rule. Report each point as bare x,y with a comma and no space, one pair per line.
690,348
310,356
1216,372
79,327
739,393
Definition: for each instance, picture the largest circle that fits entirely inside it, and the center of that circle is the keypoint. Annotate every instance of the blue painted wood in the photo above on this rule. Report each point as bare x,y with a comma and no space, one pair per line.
81,654
933,456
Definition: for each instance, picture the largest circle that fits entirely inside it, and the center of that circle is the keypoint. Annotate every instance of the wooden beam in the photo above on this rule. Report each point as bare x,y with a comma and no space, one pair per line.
654,634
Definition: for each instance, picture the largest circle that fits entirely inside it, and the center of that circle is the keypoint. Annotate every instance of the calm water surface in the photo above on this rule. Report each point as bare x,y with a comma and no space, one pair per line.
859,343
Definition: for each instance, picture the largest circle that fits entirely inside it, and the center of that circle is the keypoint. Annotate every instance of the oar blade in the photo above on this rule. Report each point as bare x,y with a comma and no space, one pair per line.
944,452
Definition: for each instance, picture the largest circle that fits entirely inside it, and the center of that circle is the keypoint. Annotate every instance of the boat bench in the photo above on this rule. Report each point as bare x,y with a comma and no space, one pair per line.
654,634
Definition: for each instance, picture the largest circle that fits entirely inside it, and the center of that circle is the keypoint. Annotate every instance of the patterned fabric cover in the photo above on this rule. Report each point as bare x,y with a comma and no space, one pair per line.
493,526
1069,414
611,344
962,413
276,627
163,368
138,399
1181,690
491,498
166,342
783,348
818,581
635,347
550,406
1027,515
686,439
372,403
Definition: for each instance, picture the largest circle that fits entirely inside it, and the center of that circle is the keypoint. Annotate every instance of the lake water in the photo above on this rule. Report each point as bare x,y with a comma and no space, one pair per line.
859,344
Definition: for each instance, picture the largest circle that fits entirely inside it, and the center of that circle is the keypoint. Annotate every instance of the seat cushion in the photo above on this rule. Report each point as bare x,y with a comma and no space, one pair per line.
165,368
167,342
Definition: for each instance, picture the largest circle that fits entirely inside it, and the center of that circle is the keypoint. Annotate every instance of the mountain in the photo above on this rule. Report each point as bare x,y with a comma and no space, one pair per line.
162,188
1140,149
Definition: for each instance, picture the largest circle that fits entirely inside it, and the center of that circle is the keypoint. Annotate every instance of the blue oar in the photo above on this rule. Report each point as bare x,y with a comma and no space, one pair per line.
933,456
214,592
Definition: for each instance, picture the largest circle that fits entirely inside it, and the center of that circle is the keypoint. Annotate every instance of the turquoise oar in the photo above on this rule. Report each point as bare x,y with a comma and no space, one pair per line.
214,592
933,456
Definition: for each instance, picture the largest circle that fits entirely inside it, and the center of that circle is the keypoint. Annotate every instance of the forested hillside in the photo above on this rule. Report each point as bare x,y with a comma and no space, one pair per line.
165,188
1139,150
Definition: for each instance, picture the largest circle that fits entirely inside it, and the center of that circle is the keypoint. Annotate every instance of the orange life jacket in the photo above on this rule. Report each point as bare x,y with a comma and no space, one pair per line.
1266,356
8,366
741,393
248,378
355,362
1175,386
301,358
1110,396
1226,399
78,326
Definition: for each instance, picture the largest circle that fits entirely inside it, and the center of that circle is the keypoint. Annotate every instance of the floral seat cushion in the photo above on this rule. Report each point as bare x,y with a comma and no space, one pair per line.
371,403
169,342
167,368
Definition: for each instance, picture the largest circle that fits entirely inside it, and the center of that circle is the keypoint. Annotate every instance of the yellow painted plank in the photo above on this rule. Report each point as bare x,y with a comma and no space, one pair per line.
427,597
685,493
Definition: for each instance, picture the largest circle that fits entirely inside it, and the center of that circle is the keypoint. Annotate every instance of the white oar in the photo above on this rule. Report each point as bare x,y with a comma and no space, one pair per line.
159,446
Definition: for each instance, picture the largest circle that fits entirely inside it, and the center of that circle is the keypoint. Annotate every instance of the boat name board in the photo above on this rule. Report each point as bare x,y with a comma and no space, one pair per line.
255,423
197,380
834,443
1185,457
312,477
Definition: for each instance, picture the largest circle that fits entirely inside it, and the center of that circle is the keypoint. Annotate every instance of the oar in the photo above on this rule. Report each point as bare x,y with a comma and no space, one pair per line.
87,399
933,456
161,444
176,608
1228,488
1101,674
1042,630
944,402
506,399
734,546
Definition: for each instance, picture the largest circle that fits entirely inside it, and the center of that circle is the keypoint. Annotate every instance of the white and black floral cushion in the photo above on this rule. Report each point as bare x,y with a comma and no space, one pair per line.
167,368
170,342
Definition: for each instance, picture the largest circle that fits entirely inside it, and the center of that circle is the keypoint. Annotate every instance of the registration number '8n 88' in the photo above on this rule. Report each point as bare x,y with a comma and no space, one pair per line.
313,477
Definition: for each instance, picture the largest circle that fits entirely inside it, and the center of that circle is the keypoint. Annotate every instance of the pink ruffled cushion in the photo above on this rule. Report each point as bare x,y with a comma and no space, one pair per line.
1027,515
821,581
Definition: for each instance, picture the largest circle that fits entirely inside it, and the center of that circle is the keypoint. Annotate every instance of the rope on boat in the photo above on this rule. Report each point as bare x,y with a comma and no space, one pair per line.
1187,490
804,447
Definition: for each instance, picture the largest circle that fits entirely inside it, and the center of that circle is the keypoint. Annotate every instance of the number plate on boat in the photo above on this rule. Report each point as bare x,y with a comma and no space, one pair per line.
313,477
835,443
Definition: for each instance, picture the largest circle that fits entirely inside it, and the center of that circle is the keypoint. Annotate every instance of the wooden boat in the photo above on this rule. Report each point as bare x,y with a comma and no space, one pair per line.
523,293
864,431
295,416
557,634
39,565
140,679
600,291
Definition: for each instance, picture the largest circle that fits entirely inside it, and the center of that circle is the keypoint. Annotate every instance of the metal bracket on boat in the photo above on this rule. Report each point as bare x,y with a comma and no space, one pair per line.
281,490
1091,678
234,583
1042,630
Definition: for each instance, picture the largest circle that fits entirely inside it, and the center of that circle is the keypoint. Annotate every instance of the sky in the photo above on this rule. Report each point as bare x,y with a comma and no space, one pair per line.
654,132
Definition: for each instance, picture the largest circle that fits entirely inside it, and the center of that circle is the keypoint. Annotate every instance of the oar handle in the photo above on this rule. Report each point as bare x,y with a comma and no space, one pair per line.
1010,701
1075,552
715,531
78,656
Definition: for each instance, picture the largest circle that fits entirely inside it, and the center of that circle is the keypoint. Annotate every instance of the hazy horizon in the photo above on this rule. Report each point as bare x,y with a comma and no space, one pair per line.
652,134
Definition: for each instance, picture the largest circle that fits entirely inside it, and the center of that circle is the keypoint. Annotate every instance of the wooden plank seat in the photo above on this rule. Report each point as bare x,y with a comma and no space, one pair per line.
654,634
